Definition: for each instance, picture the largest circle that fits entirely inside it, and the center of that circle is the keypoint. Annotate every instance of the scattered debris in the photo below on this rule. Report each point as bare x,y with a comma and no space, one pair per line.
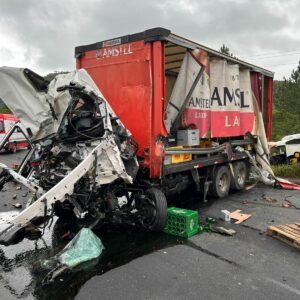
290,203
207,225
226,215
17,205
210,220
288,233
14,196
223,230
18,188
285,184
84,247
268,199
24,195
286,205
240,217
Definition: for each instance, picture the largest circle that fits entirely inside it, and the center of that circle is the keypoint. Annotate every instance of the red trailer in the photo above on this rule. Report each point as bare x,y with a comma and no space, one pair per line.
142,74
137,74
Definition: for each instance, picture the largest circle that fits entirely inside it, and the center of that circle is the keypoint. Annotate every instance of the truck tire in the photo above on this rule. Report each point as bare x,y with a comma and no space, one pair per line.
155,211
240,171
220,185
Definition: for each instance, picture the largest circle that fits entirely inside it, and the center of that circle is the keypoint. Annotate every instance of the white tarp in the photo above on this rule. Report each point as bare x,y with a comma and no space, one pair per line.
189,70
25,103
231,99
32,108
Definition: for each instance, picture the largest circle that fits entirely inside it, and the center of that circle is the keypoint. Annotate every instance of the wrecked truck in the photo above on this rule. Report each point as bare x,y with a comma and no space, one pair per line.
82,158
172,115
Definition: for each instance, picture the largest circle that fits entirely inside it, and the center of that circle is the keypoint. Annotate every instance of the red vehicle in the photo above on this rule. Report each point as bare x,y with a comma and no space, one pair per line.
137,74
165,88
17,139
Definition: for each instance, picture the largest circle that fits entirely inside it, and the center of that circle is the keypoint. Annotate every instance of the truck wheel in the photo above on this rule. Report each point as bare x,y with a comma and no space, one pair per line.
240,171
220,185
153,210
13,148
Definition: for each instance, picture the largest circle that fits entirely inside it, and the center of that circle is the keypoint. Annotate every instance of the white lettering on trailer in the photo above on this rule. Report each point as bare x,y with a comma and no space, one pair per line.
236,122
200,115
114,51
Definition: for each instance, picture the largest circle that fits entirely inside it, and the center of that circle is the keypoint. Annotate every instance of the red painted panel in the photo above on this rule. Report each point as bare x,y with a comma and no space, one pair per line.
158,129
131,78
256,85
231,123
123,74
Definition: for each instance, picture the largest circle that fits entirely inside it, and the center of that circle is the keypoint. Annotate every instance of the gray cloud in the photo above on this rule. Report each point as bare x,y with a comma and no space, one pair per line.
49,30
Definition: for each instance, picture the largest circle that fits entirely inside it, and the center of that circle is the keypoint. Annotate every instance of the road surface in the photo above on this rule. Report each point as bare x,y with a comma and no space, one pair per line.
141,265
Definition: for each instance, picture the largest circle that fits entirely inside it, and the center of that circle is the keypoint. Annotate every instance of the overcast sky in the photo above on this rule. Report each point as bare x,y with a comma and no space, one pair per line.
42,34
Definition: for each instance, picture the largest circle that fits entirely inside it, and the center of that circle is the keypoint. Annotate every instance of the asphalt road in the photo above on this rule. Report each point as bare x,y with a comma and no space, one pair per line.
142,265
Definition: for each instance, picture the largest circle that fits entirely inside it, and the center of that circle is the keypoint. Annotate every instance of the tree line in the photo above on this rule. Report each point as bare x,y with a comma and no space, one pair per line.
286,105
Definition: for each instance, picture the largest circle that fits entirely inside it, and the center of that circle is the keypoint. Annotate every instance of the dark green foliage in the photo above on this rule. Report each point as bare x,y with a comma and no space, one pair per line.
286,106
225,50
4,110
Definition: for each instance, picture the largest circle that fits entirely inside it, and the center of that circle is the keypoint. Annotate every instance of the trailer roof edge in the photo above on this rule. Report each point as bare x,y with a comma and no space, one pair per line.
163,34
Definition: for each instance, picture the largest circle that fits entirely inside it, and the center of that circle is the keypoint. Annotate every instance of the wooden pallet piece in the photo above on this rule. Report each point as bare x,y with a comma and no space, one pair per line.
289,234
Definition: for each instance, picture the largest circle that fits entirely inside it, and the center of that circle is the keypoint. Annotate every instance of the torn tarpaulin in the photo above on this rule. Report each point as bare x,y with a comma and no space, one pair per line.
285,184
83,248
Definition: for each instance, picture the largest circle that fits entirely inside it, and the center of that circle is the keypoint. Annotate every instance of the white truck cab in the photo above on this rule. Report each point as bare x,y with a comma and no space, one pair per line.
287,150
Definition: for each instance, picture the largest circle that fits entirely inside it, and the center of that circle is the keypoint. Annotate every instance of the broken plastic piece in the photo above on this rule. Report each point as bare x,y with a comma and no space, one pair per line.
223,230
226,215
85,246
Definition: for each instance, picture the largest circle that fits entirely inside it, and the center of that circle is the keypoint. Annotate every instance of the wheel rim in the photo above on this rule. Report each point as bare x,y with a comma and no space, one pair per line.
148,211
241,175
224,182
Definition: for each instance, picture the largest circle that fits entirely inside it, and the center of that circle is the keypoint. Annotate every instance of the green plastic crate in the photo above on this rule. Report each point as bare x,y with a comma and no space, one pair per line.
182,222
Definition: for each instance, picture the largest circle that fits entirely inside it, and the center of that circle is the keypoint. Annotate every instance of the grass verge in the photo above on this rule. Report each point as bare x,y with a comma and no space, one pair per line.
287,171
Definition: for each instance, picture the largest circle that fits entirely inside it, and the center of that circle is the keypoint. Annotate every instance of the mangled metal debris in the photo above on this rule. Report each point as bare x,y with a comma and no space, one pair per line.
82,157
